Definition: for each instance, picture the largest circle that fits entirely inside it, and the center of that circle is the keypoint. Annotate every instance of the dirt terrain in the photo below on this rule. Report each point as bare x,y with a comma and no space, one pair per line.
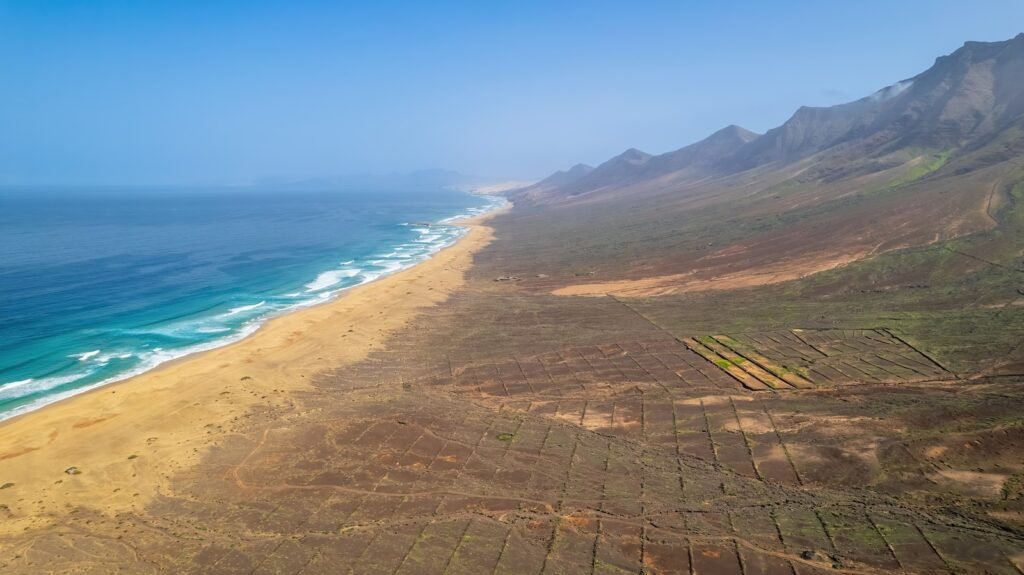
505,431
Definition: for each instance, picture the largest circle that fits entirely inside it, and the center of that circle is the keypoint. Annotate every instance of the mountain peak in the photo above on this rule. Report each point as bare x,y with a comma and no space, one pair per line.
973,51
563,177
733,132
634,155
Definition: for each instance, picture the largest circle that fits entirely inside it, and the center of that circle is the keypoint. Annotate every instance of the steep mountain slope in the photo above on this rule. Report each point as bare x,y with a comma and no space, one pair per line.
922,161
958,105
617,171
540,190
634,165
961,100
714,149
569,176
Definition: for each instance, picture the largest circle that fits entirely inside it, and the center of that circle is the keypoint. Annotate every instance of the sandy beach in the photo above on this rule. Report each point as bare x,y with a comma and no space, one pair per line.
125,440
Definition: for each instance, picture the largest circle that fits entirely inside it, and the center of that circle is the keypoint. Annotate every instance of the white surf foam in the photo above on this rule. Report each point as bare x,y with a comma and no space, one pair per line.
213,329
330,278
243,308
25,387
15,384
150,360
85,356
106,358
387,267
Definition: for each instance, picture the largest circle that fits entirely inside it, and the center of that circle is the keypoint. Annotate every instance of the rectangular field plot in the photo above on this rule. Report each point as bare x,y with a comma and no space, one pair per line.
587,372
804,359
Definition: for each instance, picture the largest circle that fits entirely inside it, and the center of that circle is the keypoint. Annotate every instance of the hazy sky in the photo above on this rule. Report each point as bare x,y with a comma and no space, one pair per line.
228,92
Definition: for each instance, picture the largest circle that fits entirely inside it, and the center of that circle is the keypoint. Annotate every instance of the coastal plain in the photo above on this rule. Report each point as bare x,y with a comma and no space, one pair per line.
470,425
795,353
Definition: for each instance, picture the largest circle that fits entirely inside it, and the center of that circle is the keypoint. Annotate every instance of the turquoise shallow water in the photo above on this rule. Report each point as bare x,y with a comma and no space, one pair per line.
100,284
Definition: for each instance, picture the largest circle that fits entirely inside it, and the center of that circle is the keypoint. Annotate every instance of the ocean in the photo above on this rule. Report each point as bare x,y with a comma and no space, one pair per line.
97,285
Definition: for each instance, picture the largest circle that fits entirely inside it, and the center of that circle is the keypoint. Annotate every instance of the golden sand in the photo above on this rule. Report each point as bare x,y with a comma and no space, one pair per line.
128,439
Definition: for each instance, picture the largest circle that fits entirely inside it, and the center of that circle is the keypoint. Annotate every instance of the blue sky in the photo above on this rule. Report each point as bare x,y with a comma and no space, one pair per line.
97,92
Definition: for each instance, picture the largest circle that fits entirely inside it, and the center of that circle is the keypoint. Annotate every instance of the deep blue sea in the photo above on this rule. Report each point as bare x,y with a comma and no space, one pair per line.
97,285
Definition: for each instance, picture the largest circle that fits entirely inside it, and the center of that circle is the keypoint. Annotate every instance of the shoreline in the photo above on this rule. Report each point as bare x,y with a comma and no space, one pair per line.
127,438
245,330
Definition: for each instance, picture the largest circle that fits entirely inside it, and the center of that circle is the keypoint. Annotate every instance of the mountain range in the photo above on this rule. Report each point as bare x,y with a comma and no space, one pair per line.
931,162
966,101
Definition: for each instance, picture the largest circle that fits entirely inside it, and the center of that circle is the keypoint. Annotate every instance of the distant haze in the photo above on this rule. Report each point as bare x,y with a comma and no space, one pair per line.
130,93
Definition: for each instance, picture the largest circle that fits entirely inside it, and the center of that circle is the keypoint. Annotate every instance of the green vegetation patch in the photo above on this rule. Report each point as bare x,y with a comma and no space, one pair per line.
921,170
1013,488
505,436
723,363
796,370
